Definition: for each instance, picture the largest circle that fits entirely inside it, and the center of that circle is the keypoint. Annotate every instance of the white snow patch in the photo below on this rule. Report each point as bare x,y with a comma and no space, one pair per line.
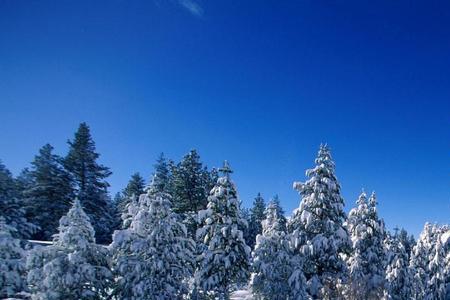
241,295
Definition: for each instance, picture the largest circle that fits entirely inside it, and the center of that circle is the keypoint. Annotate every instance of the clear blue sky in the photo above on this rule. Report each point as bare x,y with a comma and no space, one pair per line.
260,83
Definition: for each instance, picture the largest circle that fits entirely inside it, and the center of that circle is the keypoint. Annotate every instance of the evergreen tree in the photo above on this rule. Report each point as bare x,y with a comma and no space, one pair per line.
190,187
437,285
398,274
256,217
135,187
428,263
317,228
407,240
420,259
163,175
11,207
280,212
23,182
74,267
89,177
244,226
47,193
152,259
273,262
225,259
190,192
366,264
12,266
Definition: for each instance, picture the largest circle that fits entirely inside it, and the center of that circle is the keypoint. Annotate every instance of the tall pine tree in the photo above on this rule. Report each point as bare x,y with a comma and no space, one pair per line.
257,215
317,228
90,183
225,259
191,182
48,194
366,264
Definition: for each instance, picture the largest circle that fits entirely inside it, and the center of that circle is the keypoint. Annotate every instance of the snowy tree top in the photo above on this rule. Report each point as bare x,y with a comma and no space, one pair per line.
75,230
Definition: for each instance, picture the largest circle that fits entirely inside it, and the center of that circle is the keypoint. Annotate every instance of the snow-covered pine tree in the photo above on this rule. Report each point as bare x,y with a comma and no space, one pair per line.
317,230
12,207
257,215
12,264
398,274
366,263
74,267
437,284
48,194
153,258
419,261
225,259
445,240
89,178
273,262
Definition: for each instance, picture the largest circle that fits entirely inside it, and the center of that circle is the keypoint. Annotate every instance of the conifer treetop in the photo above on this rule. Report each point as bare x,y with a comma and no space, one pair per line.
75,230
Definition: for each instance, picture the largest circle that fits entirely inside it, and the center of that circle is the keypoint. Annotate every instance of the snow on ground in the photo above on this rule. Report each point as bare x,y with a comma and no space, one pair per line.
241,295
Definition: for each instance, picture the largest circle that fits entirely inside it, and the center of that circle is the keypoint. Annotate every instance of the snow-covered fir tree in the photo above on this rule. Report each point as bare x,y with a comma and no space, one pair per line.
257,215
74,267
317,230
90,182
48,194
437,284
445,241
398,274
153,258
366,263
428,263
12,262
12,207
273,262
225,259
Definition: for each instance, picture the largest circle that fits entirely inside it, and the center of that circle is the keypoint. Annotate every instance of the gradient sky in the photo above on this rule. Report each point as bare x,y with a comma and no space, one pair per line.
260,83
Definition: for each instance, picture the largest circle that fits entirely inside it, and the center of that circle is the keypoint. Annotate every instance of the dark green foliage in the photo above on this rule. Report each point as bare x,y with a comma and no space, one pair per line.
11,206
407,240
89,178
135,187
257,215
47,192
163,175
189,184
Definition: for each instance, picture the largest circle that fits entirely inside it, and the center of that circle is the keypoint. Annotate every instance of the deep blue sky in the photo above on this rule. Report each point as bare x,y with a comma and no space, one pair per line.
260,83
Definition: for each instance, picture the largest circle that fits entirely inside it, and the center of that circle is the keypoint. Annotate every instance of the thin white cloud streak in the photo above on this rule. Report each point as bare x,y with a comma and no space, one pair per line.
193,7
